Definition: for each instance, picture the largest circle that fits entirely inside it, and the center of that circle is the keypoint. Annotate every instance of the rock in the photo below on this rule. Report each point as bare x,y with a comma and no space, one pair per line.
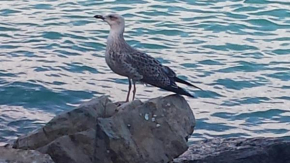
75,148
155,131
237,150
80,119
10,155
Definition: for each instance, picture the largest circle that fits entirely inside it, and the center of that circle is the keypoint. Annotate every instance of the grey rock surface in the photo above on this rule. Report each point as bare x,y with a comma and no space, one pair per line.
80,119
98,131
237,150
10,155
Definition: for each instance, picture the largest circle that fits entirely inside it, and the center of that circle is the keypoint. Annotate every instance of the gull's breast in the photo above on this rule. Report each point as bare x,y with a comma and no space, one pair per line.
116,64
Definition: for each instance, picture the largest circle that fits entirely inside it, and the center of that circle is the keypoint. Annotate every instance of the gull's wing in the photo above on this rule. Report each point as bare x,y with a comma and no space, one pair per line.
150,68
153,72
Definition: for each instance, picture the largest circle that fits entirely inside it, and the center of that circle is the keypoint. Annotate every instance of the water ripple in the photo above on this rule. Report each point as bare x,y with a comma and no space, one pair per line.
52,59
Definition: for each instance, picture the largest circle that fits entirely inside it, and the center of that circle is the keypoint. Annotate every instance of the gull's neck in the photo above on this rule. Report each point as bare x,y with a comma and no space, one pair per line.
116,34
116,39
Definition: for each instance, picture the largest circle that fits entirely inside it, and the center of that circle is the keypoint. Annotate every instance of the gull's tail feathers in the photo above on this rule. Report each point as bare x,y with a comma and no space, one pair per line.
179,91
185,82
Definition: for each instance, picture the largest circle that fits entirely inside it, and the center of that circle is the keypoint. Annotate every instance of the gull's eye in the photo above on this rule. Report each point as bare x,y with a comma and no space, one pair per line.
112,17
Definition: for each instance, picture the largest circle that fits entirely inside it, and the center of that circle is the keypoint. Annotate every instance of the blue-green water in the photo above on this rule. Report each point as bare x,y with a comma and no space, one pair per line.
52,59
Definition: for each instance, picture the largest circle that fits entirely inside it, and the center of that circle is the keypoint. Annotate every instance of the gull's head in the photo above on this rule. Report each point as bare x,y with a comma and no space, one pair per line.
114,20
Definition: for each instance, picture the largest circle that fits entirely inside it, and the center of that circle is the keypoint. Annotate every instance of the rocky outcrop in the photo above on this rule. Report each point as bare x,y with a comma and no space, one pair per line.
10,155
155,131
98,131
238,150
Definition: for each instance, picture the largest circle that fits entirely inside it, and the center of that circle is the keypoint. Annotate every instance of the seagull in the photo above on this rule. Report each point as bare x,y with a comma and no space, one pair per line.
127,61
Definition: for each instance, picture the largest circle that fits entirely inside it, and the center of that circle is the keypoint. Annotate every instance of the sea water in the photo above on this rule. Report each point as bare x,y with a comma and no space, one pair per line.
238,51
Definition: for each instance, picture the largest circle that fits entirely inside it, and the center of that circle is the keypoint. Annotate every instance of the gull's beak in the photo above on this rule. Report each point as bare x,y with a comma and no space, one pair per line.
99,17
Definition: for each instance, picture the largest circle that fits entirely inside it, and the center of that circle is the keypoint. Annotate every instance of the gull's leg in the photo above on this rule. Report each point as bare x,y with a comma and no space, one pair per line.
134,89
130,86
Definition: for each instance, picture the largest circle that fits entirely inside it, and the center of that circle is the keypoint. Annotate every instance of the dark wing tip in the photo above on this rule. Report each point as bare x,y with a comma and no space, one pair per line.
178,90
186,83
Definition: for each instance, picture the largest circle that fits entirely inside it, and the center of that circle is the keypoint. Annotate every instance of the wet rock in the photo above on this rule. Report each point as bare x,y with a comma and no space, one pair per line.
10,155
238,150
155,131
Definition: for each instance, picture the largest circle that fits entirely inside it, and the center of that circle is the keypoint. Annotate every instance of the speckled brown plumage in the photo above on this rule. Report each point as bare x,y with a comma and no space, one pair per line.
137,66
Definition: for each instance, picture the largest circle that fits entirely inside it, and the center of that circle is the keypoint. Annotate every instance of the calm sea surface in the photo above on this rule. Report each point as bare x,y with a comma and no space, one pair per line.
52,59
